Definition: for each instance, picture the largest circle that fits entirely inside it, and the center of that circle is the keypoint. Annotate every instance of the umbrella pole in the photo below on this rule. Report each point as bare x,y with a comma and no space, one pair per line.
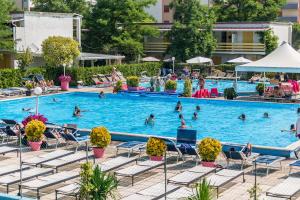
235,85
264,81
165,170
20,152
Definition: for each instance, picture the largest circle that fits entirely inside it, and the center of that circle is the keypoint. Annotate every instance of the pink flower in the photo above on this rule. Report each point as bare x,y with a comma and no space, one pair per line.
64,78
33,117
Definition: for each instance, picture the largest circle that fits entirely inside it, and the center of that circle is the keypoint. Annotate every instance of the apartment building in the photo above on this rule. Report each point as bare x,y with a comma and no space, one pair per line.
290,12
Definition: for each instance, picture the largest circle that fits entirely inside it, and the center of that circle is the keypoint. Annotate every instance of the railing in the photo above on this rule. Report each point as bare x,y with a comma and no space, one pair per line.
254,48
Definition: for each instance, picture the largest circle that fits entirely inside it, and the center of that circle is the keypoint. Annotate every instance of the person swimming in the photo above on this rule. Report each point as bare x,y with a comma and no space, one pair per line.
182,121
198,108
150,120
55,100
178,107
195,116
242,117
266,115
101,95
26,109
77,112
298,111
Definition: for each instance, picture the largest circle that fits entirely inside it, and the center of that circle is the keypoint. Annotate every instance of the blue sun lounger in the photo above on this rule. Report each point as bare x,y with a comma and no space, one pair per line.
268,161
130,146
186,142
295,164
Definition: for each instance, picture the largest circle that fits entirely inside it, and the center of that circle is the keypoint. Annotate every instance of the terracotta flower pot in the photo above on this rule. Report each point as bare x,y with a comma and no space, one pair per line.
208,164
98,152
132,88
35,146
156,158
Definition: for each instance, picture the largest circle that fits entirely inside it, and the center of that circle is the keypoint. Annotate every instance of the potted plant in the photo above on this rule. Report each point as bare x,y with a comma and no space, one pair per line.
118,86
64,82
156,148
29,87
34,117
260,89
100,138
170,86
187,90
209,149
34,131
229,93
133,83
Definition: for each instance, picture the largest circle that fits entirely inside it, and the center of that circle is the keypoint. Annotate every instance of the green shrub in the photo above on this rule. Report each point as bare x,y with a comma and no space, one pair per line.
133,81
229,93
171,85
187,90
203,191
260,88
118,86
209,149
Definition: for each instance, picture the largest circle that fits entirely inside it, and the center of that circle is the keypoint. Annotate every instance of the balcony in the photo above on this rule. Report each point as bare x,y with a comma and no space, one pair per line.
222,48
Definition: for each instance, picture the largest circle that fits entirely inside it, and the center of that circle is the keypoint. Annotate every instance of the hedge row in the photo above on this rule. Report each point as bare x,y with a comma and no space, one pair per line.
13,77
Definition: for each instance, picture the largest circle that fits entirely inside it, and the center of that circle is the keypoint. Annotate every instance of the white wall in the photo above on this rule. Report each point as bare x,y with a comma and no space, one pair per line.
38,27
283,32
156,11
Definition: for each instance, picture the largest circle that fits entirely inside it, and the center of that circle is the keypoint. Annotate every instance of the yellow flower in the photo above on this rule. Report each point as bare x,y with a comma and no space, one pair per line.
209,149
156,147
34,130
100,137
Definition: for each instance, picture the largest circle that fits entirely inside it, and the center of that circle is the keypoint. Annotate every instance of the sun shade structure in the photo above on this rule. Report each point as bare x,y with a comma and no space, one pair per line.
283,59
150,59
199,60
239,60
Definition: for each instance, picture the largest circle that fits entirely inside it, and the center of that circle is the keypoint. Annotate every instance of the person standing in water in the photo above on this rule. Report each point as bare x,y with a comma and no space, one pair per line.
150,120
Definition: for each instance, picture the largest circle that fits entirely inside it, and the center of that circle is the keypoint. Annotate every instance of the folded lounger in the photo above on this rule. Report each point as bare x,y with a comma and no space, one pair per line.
8,169
239,156
66,160
139,168
47,157
47,181
191,175
78,140
223,177
154,192
109,165
286,189
130,146
27,174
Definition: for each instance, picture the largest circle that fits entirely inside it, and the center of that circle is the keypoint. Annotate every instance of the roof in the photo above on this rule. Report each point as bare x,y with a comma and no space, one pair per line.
93,56
282,59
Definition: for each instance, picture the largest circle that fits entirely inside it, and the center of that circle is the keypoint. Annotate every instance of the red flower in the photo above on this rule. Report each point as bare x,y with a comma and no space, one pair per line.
33,117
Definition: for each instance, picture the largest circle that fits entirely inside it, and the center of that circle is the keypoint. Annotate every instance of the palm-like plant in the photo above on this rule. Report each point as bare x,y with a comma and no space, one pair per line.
203,191
104,185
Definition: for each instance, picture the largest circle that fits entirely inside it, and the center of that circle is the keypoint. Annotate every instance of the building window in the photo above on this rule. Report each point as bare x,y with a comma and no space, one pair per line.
166,21
166,8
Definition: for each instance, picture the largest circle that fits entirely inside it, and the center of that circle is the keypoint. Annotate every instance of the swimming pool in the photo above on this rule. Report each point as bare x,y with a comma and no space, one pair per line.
243,86
126,113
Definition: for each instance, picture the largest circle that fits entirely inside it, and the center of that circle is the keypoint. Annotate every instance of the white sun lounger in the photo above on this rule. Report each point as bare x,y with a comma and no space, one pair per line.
286,189
8,169
47,157
139,168
66,160
154,192
191,175
6,149
223,177
181,193
14,178
106,166
47,181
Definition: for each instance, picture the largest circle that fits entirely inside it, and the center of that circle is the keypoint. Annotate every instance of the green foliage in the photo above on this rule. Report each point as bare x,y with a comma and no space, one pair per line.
35,130
24,59
114,27
209,149
118,86
10,78
29,85
6,39
260,88
203,191
156,147
296,36
187,90
247,10
58,51
171,85
270,40
61,6
191,34
229,93
95,184
254,192
133,81
100,137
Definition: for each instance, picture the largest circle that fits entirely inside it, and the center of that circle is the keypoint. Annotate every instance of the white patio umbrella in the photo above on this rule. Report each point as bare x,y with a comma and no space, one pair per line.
199,60
150,59
239,60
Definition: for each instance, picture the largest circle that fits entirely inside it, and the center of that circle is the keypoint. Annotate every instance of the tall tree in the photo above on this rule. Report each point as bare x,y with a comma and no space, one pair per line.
247,10
6,38
115,25
191,35
64,6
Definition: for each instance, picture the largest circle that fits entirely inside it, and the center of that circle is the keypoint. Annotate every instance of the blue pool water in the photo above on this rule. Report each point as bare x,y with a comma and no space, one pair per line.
123,113
242,86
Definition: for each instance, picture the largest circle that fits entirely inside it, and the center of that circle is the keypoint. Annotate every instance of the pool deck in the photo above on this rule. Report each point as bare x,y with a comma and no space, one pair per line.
236,190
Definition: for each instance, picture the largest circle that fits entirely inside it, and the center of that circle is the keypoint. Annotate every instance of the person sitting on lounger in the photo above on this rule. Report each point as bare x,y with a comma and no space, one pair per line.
150,120
198,108
247,149
178,107
195,116
242,117
182,121
101,95
266,115
77,112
